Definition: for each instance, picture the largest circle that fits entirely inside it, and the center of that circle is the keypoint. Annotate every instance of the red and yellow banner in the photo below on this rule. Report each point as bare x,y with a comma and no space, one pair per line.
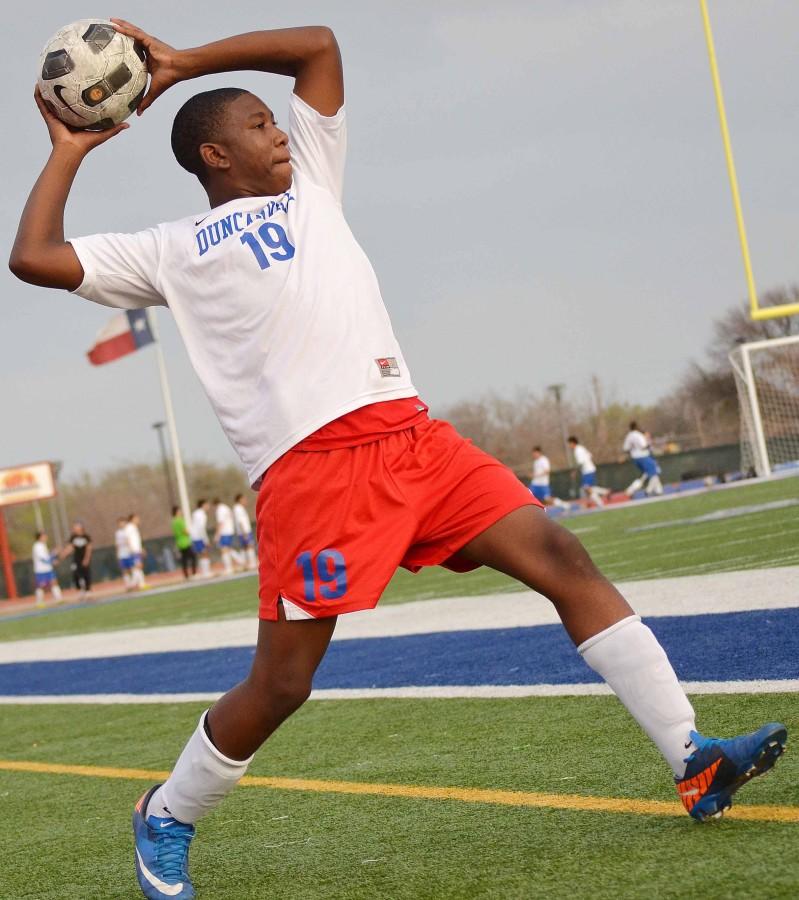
23,484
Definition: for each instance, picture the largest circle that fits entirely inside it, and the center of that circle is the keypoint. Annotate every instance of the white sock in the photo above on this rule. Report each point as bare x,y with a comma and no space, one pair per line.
126,579
628,656
226,561
56,592
138,577
251,561
205,566
39,595
200,781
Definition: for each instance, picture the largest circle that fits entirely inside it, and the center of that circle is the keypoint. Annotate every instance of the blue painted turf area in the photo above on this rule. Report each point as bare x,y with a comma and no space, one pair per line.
722,647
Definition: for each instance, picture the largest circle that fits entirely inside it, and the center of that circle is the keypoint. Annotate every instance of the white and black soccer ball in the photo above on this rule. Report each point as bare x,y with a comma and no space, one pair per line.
91,76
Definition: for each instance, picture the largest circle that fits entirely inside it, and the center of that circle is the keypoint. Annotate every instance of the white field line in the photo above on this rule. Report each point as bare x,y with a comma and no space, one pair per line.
443,692
736,591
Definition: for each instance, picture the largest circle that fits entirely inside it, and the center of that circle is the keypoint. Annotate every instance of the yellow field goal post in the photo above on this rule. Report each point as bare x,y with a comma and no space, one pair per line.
756,311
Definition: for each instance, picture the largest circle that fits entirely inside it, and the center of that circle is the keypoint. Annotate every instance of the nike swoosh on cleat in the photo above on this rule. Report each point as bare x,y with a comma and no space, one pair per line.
171,890
166,823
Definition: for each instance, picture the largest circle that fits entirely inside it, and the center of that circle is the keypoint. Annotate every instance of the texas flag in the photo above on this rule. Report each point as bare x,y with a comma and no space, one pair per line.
125,333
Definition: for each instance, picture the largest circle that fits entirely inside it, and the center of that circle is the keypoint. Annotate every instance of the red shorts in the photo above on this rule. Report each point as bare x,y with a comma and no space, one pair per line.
334,524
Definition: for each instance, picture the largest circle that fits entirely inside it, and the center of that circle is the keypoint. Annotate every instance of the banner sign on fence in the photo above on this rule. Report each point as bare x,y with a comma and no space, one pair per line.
23,484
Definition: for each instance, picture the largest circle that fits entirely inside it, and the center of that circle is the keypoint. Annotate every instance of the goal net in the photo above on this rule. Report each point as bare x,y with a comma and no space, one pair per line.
767,379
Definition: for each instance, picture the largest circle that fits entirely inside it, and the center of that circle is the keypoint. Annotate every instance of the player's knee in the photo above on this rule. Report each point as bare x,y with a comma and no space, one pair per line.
562,547
283,693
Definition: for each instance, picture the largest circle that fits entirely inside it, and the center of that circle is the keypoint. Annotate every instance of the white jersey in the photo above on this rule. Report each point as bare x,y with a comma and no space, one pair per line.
242,519
636,445
121,541
541,469
199,526
42,561
278,305
584,460
133,536
224,520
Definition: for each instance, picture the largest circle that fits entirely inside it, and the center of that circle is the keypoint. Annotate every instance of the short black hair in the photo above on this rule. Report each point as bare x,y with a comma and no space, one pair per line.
537,449
175,510
573,439
633,426
197,122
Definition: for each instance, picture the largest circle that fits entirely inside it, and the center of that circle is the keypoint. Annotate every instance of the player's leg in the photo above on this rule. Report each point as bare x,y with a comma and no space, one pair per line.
528,546
55,589
612,640
220,749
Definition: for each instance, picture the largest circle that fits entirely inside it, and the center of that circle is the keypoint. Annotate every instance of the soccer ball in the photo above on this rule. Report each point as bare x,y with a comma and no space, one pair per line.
91,76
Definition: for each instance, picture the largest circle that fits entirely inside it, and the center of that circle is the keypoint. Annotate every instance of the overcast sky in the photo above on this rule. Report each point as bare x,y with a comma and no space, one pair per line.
539,184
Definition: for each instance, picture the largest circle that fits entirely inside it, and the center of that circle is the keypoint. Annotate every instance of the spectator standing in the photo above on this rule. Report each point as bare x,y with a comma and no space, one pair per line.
80,546
123,552
43,571
133,536
199,537
225,532
241,519
188,558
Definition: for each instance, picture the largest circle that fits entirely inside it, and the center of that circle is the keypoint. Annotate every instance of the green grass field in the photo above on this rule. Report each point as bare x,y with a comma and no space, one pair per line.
69,836
768,538
74,837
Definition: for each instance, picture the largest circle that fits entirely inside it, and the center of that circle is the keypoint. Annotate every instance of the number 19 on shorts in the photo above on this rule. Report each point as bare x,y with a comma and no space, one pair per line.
327,570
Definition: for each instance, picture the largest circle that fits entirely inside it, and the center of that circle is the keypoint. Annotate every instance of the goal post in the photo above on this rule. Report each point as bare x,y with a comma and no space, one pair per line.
767,380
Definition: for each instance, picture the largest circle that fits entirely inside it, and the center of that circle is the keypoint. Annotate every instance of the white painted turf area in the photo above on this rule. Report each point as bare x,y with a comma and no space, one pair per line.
755,589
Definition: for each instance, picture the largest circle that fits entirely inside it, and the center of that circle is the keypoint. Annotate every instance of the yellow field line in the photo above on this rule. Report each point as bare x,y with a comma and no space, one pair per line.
426,792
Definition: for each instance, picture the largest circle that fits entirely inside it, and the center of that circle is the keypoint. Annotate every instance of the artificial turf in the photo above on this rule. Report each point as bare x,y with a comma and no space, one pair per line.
766,538
74,838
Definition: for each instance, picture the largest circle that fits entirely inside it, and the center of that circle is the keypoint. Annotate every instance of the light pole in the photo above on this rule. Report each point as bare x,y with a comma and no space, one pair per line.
159,429
557,392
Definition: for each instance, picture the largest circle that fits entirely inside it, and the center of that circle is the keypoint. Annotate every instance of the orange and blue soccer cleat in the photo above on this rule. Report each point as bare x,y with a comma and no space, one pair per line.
162,854
717,768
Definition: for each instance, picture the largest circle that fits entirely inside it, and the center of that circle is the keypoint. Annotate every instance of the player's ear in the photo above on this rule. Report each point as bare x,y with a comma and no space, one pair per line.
214,156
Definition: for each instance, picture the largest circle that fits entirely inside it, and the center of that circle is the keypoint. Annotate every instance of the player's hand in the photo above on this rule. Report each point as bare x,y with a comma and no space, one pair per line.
63,135
163,62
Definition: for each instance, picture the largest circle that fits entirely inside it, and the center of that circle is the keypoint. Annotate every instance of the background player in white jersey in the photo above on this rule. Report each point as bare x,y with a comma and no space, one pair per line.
223,536
199,537
354,477
123,553
133,536
241,519
585,463
639,447
44,574
539,482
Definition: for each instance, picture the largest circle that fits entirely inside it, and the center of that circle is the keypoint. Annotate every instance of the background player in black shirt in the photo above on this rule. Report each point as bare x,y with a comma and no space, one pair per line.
80,546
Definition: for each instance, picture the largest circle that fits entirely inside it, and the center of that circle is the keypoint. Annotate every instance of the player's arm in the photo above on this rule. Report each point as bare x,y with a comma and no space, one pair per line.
40,254
88,557
310,55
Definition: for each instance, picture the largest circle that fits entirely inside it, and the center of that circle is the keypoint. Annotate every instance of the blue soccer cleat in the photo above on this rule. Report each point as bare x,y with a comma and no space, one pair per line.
717,768
162,854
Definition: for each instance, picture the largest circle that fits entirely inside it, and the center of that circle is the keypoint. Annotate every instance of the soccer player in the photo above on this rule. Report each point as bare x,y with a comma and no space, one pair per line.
585,463
639,448
133,536
199,537
244,531
225,531
43,571
539,483
188,558
287,330
80,546
124,557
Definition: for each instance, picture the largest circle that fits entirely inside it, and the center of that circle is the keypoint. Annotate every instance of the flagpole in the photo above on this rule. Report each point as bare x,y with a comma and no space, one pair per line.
169,412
